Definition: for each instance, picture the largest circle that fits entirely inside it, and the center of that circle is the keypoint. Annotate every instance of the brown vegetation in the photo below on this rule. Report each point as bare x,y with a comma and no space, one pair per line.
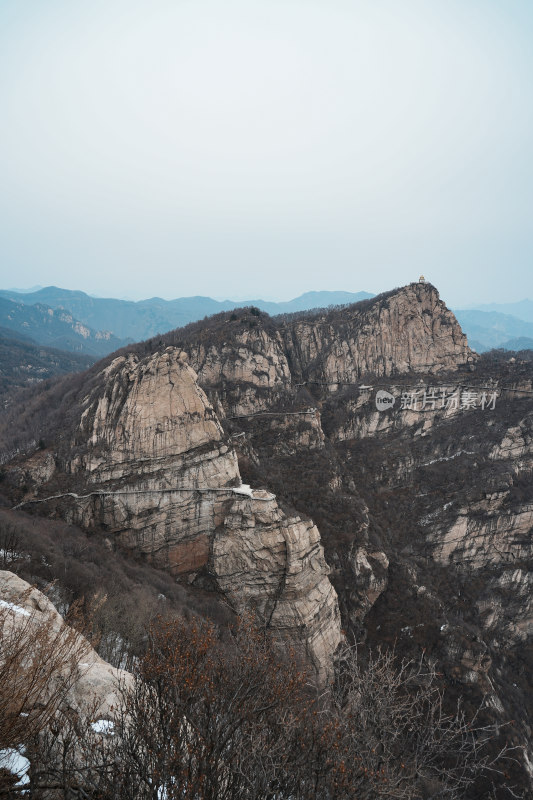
212,719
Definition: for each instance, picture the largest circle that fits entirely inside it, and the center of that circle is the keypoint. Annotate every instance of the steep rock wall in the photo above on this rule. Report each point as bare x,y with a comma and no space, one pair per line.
275,565
409,330
149,465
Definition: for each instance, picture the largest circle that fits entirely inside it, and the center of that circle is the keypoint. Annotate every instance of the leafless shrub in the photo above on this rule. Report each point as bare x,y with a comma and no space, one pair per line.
39,663
206,718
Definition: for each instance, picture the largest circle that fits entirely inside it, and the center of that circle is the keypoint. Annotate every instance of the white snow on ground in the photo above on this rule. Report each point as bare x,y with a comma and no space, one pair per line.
16,763
103,726
14,608
9,555
448,458
244,489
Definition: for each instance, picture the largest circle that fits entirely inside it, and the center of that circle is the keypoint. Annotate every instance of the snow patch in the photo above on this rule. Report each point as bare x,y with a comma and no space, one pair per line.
104,726
16,609
9,555
243,489
16,763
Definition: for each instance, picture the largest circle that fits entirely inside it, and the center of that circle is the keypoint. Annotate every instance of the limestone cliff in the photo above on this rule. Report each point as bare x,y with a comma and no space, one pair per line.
149,465
407,330
94,687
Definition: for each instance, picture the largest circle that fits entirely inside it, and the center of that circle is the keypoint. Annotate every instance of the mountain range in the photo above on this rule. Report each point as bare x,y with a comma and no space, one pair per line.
493,329
523,309
251,459
55,327
134,321
77,322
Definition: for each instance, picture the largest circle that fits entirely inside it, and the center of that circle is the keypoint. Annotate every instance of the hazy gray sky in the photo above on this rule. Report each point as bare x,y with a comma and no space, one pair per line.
264,148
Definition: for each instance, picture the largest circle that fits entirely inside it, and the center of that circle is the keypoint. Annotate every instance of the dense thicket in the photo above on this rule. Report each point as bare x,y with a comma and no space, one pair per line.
206,719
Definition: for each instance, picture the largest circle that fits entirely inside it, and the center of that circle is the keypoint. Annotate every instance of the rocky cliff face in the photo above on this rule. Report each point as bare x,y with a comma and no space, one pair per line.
424,509
275,565
149,465
426,513
408,330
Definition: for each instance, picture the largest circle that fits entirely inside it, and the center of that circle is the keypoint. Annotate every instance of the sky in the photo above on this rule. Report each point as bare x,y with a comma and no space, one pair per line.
264,148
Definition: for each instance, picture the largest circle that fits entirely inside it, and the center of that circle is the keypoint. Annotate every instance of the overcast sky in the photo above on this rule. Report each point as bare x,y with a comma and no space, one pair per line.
264,148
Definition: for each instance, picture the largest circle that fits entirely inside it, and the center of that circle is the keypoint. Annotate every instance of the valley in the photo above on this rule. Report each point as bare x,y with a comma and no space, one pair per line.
405,528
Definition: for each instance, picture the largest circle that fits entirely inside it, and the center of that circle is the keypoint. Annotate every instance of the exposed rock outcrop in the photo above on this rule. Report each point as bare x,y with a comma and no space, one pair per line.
95,689
151,467
275,565
408,330
424,509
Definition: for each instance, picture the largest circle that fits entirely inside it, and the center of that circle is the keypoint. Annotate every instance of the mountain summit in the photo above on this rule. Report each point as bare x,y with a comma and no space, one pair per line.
254,460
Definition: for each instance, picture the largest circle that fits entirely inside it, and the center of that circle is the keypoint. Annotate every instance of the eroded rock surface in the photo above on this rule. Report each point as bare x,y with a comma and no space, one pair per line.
424,510
151,467
95,689
275,565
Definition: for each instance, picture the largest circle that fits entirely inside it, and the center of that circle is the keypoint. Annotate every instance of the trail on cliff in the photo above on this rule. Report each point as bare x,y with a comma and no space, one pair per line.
421,514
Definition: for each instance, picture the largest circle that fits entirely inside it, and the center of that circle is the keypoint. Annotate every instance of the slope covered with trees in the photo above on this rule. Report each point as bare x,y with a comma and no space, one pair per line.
424,510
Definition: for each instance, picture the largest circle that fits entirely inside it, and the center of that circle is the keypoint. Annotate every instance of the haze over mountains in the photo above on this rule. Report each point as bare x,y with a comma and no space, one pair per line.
77,322
133,321
523,309
492,329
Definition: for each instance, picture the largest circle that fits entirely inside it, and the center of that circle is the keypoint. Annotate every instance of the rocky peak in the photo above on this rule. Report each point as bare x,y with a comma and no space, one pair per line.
251,361
407,330
146,412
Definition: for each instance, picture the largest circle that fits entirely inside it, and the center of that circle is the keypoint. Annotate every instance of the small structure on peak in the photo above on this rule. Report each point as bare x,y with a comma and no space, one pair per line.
421,279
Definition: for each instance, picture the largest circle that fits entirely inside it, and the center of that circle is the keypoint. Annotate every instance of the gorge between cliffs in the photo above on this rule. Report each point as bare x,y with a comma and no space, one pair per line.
245,462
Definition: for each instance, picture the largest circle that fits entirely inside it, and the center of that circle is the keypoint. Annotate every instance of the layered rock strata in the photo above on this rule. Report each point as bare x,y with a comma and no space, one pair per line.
408,330
276,566
150,466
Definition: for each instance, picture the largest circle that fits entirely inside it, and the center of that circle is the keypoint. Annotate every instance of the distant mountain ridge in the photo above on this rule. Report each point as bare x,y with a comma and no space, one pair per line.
56,328
523,309
138,320
491,329
23,362
130,320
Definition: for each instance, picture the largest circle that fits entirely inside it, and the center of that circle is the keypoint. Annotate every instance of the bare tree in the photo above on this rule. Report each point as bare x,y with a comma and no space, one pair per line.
396,738
207,718
39,663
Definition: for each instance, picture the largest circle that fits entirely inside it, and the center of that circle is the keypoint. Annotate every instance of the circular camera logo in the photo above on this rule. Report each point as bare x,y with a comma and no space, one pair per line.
384,400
